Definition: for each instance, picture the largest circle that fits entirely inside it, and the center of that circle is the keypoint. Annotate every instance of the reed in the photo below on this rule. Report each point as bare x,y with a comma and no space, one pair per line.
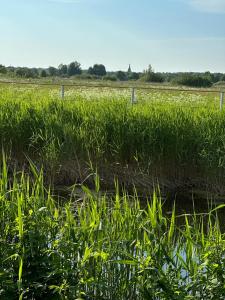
162,129
103,247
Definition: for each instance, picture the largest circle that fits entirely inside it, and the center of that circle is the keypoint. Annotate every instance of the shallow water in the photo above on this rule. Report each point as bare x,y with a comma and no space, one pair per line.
186,203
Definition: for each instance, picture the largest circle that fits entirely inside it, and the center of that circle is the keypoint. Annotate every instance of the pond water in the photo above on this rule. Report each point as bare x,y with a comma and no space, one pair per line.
186,202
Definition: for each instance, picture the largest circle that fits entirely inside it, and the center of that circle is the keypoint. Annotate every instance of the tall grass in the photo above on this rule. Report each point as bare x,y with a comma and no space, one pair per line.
103,248
173,132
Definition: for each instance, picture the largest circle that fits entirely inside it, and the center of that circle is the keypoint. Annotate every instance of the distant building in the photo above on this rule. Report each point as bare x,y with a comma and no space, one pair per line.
129,70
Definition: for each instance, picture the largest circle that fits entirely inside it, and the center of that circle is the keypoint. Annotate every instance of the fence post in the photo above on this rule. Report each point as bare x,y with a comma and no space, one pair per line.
221,100
133,100
62,91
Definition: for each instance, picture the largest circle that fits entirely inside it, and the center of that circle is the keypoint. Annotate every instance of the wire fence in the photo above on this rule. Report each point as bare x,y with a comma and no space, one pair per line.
133,89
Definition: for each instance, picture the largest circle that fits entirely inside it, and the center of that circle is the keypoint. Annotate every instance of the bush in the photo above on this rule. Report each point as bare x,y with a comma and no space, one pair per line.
133,76
26,72
151,76
43,73
193,80
110,78
85,76
122,76
3,69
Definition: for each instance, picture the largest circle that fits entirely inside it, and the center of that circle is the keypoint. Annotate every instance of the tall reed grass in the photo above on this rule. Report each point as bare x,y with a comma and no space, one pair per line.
155,131
103,248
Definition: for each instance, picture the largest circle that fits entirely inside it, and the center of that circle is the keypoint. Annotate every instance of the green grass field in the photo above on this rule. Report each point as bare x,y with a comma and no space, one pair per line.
96,246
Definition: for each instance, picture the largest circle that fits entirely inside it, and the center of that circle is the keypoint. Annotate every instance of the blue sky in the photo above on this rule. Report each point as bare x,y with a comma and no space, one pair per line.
171,35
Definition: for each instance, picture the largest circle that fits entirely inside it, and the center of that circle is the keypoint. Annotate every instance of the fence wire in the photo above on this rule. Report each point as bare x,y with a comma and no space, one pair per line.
134,93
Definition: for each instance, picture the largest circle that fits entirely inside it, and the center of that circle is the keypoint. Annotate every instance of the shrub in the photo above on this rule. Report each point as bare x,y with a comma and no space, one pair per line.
122,76
110,78
133,76
26,72
3,69
151,76
43,73
193,80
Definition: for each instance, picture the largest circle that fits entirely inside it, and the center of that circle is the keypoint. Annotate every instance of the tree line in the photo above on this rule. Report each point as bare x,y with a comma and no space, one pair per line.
98,71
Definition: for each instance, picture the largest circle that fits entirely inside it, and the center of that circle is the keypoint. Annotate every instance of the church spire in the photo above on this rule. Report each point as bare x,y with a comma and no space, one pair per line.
129,69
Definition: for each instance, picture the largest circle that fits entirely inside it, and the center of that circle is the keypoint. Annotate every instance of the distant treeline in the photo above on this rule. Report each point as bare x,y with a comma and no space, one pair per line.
98,71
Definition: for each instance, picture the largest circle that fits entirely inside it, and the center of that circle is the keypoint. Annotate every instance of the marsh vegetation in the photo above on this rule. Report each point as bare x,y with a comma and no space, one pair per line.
103,246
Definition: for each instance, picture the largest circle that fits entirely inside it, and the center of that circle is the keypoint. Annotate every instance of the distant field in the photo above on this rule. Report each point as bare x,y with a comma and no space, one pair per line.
100,82
101,89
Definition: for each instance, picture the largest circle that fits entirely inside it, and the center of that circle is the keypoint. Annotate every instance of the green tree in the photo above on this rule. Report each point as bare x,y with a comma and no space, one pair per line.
3,69
98,70
63,69
133,76
149,70
150,76
26,72
122,76
90,71
52,71
209,76
74,68
43,73
34,72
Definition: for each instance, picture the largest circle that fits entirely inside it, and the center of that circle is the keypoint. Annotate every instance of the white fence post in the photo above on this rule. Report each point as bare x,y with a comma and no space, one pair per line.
62,91
221,100
133,98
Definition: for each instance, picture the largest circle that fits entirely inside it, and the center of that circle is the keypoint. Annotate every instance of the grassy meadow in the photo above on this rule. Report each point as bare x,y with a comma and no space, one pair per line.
96,245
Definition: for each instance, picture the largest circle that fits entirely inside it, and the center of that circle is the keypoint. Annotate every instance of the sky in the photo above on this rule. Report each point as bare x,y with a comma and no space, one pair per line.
171,35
